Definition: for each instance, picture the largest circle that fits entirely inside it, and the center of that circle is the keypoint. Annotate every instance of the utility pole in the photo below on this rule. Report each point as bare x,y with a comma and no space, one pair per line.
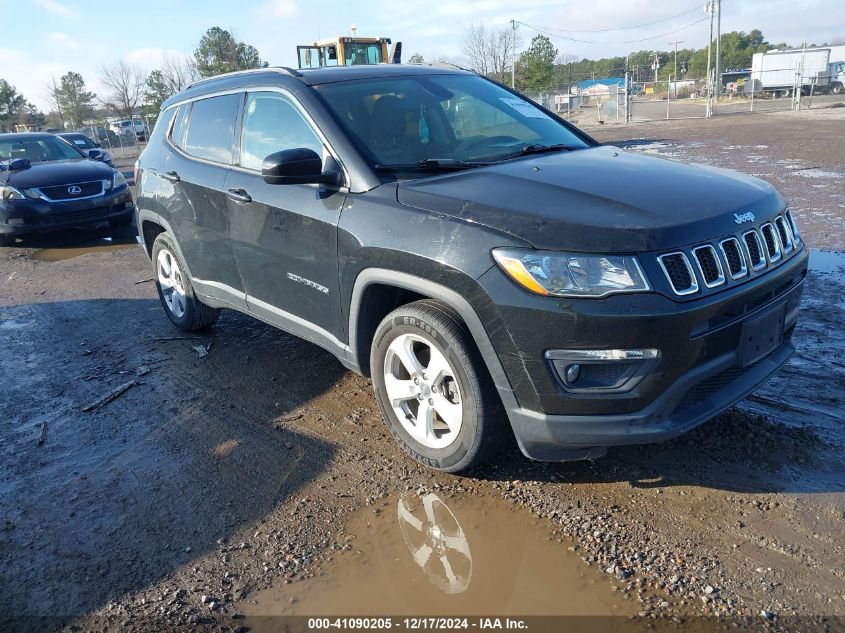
676,42
718,47
709,9
655,66
513,55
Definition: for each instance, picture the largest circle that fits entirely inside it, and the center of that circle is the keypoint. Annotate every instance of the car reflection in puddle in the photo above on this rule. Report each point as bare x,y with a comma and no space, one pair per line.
476,555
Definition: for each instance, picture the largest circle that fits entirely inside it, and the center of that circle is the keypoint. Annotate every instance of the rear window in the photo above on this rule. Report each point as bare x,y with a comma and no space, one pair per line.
211,128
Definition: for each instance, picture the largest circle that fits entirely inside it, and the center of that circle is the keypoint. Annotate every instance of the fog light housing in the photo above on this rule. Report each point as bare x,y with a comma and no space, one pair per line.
605,371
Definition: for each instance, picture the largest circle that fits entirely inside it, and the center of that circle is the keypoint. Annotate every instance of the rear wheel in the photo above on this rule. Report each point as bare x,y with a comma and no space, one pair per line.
5,240
433,389
836,89
175,291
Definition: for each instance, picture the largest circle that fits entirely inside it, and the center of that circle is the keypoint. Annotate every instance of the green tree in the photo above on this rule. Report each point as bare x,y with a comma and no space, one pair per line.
536,66
416,58
75,101
11,104
219,52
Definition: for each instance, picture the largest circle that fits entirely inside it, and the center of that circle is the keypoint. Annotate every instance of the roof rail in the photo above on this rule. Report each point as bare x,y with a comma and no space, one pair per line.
283,70
446,65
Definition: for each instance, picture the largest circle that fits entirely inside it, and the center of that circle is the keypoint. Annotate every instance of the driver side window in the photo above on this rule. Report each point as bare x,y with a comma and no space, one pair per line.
272,124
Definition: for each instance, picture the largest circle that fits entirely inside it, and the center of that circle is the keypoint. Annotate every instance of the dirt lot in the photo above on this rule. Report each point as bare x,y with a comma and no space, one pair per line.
244,473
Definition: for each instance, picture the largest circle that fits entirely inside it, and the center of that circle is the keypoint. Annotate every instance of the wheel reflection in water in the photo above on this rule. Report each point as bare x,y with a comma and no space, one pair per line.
436,541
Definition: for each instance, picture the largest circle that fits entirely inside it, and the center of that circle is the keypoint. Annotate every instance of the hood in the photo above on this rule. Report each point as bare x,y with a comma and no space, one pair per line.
601,199
60,172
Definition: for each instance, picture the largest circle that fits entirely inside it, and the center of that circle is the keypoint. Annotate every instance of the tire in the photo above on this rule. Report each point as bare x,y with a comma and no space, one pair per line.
836,89
121,221
5,240
174,288
424,334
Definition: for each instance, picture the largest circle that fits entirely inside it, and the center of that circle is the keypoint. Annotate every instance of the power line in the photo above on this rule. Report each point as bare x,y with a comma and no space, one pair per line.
644,39
621,28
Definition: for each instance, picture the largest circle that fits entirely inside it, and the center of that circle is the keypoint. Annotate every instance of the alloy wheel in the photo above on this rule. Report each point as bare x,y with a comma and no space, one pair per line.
172,283
423,391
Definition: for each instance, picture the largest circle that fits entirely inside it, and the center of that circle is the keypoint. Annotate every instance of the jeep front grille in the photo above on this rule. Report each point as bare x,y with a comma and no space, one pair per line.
709,265
679,273
772,243
732,252
732,258
755,250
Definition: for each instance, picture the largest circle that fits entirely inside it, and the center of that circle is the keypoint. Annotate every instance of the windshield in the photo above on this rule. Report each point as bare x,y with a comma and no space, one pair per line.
403,121
80,141
37,149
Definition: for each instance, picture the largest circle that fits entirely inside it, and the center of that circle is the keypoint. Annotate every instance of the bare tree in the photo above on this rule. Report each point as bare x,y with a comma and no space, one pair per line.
54,94
489,50
126,85
180,72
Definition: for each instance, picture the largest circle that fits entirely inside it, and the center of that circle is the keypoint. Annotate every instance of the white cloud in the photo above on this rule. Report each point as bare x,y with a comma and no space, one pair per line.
62,40
56,8
152,58
282,8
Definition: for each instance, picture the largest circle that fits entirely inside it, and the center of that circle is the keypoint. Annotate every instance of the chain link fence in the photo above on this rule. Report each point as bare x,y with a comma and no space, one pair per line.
769,90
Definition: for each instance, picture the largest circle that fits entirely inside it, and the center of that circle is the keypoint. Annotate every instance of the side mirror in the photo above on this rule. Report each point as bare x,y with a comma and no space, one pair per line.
301,166
97,144
95,154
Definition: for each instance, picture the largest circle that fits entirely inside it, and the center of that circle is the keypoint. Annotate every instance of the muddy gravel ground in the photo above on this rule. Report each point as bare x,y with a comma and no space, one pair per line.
243,473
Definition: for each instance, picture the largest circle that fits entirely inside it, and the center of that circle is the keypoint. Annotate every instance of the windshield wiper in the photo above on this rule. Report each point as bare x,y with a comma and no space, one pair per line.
537,148
430,164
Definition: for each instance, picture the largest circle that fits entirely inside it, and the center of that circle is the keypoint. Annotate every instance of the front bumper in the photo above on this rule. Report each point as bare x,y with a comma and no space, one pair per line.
700,372
19,217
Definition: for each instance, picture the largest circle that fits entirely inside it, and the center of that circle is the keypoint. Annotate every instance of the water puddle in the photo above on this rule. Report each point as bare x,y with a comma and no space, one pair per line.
424,555
60,254
828,262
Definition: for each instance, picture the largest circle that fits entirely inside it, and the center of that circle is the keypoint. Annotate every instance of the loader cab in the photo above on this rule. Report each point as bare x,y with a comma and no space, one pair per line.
344,51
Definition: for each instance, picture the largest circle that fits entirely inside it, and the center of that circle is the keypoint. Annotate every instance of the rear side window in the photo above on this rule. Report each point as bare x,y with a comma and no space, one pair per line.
272,124
178,133
211,128
161,124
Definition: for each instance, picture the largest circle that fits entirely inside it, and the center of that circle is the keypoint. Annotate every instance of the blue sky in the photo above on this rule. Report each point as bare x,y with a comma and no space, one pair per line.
44,38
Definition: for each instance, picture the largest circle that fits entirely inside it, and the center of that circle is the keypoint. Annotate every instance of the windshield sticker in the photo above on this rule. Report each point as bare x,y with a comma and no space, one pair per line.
525,109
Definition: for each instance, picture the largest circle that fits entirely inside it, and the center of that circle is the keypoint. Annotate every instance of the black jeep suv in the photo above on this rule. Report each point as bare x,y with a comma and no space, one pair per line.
482,260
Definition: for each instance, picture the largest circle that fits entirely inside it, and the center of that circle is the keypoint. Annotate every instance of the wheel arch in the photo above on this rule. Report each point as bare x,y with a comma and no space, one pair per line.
367,309
150,226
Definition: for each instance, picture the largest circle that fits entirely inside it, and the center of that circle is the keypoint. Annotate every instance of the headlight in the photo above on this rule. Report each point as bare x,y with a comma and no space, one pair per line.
118,180
10,193
571,274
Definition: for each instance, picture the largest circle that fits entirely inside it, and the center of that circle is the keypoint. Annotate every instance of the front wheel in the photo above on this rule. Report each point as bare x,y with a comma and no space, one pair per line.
433,389
175,291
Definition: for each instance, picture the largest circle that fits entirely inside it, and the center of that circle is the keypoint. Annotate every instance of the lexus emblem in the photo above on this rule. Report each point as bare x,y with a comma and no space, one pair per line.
74,189
741,218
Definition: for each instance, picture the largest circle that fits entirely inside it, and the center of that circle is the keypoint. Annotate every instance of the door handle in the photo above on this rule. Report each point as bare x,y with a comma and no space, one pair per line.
171,176
238,195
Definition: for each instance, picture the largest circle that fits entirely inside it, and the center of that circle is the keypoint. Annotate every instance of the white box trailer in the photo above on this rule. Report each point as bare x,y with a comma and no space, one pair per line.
778,71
